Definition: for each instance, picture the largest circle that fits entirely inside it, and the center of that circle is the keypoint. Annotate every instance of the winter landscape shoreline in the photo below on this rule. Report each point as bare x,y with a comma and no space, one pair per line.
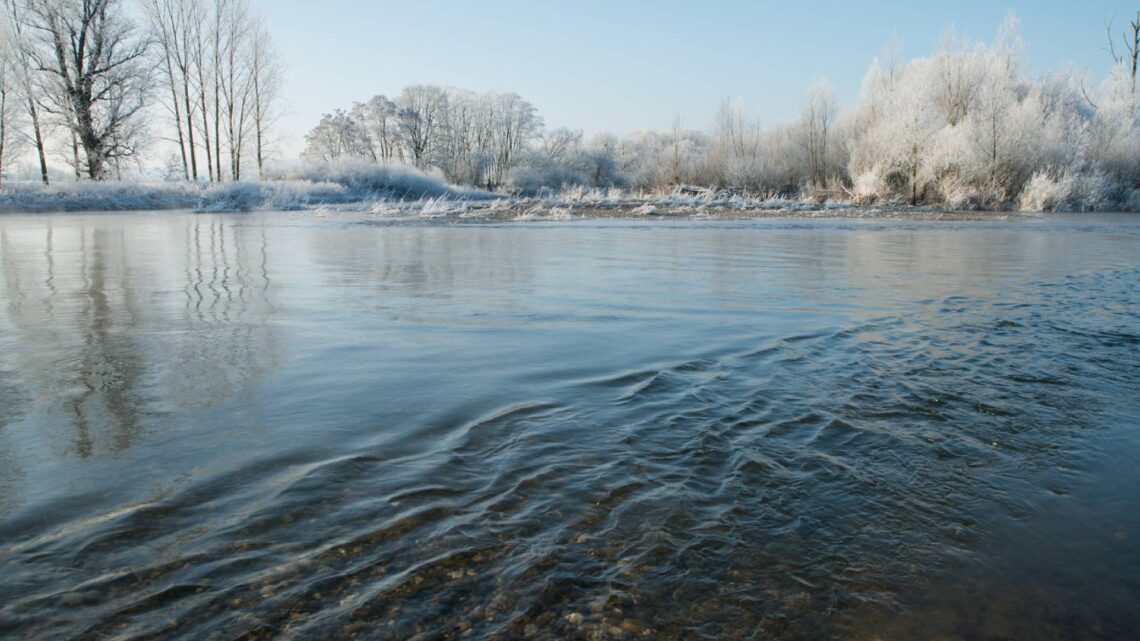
438,201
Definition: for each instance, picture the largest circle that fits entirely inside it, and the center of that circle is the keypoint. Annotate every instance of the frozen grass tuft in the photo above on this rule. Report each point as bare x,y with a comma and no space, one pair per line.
1073,192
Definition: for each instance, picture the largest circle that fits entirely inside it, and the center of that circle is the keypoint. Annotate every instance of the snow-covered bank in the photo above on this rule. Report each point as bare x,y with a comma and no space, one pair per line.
115,196
316,187
402,193
613,203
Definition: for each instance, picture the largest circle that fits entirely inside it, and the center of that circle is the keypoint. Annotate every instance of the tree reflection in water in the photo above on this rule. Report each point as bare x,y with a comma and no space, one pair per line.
105,351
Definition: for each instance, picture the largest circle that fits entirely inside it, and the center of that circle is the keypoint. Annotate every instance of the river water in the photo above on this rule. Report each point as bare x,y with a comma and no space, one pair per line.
283,426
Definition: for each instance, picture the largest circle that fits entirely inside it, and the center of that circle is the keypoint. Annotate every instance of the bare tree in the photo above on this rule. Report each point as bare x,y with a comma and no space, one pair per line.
1130,57
18,50
675,151
514,123
734,155
218,44
8,112
558,144
165,22
197,38
421,119
265,74
379,117
237,80
337,137
462,148
188,13
815,129
97,76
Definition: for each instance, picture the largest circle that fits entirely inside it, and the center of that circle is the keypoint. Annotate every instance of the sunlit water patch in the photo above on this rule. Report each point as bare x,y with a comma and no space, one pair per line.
266,426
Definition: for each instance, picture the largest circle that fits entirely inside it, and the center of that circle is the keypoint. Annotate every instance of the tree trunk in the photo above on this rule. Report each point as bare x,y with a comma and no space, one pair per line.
38,139
75,156
177,118
190,126
914,178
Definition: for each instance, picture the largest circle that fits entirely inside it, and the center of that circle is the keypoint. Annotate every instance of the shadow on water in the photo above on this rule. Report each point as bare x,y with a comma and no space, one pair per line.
767,431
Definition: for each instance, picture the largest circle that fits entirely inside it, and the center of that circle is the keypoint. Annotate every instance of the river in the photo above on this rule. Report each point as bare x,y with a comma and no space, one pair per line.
276,425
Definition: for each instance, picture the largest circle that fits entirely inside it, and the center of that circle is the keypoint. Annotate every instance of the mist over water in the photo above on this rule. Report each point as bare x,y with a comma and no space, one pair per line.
275,426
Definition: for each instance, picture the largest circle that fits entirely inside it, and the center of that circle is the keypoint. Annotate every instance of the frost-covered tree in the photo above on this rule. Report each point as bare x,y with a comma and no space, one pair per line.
378,116
999,129
599,161
471,138
514,123
1116,128
265,76
889,157
9,100
96,76
559,144
815,130
965,126
734,156
336,139
222,82
166,20
17,49
463,146
421,114
957,77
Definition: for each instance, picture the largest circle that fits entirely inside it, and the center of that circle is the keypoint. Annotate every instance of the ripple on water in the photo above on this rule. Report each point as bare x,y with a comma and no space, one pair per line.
852,482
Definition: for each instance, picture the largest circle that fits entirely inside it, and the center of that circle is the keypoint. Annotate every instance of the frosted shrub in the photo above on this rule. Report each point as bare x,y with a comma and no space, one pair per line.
1075,191
868,187
1100,192
1132,202
1045,192
961,195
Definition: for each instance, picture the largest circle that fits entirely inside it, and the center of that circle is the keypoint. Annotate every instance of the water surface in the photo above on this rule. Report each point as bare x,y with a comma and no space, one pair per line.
279,426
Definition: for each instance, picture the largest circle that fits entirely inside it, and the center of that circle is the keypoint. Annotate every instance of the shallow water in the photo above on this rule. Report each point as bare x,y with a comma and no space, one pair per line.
273,425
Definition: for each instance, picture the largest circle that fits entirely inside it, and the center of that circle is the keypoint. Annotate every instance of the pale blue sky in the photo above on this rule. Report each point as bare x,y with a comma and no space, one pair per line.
624,66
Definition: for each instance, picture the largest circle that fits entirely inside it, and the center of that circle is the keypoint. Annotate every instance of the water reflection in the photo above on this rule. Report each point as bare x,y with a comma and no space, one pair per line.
422,275
12,405
109,331
85,364
222,345
426,261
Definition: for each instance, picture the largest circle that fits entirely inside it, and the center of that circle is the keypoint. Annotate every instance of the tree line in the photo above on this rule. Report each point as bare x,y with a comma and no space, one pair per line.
78,79
472,138
963,127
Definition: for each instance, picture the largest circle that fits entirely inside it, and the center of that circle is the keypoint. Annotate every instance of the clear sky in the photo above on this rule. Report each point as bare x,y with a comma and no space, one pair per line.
625,65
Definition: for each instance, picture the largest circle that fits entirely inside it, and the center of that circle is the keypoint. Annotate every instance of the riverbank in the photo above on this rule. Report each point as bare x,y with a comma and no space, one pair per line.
348,187
531,210
398,197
